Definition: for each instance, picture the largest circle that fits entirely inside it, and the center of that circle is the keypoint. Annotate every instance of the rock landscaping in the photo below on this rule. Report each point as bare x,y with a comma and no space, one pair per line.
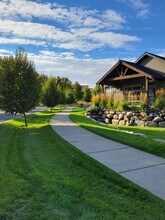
149,118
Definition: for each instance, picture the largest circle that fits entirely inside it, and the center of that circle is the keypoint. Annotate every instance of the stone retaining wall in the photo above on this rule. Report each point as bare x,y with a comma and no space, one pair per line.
151,118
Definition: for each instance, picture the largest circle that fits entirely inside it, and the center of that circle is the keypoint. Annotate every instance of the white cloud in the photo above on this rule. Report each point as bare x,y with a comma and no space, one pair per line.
5,52
143,13
85,71
113,39
21,41
140,5
73,16
84,39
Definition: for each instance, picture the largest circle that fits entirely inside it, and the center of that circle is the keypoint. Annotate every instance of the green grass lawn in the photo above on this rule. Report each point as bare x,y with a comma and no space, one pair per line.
110,132
44,177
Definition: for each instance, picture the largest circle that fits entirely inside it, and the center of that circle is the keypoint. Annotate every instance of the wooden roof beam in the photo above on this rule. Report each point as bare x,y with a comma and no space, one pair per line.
125,77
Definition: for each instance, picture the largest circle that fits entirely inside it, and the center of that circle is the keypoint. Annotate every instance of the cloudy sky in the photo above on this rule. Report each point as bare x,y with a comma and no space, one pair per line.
81,39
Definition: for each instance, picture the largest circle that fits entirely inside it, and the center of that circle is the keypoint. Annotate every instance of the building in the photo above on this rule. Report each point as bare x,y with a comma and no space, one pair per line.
144,76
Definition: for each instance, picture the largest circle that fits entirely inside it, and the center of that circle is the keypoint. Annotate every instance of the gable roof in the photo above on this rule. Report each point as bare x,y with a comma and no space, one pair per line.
136,67
150,55
146,70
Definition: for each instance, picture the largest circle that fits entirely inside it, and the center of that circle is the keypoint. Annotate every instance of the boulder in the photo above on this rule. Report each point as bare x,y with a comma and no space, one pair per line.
121,116
135,118
129,114
125,118
106,120
143,114
148,118
115,116
115,121
151,124
103,116
121,122
110,116
100,113
130,123
161,124
141,123
157,119
96,117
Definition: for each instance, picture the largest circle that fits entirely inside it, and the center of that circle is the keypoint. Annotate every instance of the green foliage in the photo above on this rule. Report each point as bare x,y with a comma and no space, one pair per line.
50,96
160,99
103,101
78,93
96,90
110,102
87,95
20,87
159,102
143,105
95,101
122,106
69,96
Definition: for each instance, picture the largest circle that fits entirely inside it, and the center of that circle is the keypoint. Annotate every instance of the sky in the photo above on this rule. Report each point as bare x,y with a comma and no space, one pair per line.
81,39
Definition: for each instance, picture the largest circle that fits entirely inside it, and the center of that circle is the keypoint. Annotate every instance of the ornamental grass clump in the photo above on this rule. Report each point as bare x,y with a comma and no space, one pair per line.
110,102
143,101
103,101
160,99
95,101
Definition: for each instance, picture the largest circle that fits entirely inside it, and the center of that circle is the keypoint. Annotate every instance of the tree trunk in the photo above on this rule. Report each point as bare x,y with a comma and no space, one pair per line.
25,119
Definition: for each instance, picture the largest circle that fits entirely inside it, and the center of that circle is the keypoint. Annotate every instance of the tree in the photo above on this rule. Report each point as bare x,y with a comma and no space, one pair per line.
96,90
50,93
87,95
20,87
69,96
77,91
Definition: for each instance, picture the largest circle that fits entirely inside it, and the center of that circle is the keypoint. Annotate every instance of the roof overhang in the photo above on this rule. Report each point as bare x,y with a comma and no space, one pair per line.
139,72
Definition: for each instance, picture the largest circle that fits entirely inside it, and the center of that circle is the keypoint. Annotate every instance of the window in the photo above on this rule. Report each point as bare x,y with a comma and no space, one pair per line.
132,94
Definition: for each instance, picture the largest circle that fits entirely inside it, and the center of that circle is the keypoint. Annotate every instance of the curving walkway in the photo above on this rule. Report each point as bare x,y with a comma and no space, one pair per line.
144,169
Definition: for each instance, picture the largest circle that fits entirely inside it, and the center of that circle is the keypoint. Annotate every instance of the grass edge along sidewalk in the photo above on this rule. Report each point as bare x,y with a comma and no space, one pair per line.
44,177
110,132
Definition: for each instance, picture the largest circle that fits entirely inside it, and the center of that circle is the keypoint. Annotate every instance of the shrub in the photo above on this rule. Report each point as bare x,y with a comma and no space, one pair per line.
103,101
95,101
110,102
160,99
143,101
123,106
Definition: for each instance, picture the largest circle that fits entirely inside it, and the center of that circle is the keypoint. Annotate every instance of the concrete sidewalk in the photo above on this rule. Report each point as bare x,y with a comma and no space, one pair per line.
146,170
5,117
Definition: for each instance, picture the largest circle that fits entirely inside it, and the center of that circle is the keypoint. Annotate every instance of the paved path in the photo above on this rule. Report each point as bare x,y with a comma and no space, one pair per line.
146,170
4,117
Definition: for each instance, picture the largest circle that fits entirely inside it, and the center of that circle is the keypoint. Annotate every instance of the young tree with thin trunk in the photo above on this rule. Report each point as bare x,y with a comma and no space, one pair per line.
50,95
87,95
77,91
20,87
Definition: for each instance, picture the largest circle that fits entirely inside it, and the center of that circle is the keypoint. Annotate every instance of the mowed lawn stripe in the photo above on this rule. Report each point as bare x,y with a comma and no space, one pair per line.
44,177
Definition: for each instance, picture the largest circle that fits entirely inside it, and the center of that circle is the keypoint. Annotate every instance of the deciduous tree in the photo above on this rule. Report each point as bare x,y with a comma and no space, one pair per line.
19,84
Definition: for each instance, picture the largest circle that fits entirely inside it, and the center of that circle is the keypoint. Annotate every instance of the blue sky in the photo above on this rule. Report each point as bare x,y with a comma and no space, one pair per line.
81,39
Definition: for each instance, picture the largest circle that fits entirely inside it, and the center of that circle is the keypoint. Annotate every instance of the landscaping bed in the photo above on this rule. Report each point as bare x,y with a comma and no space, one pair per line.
150,118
